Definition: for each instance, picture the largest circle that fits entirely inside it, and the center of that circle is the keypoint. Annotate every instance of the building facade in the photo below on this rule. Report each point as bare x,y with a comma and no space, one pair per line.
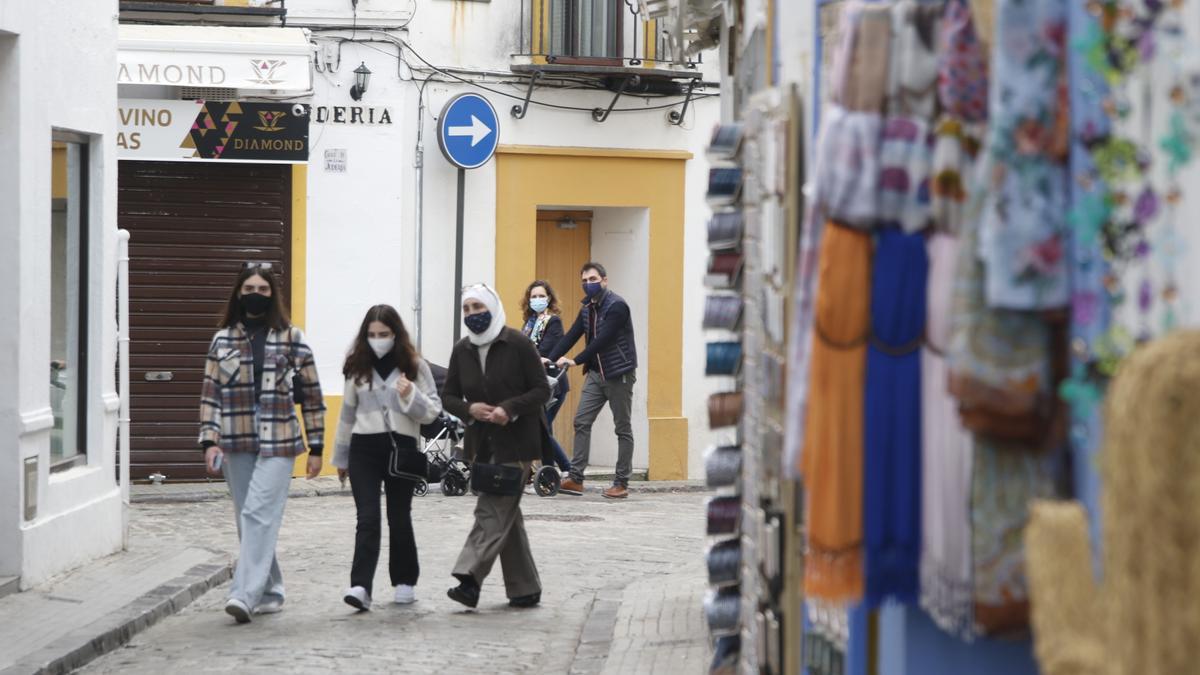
360,207
60,505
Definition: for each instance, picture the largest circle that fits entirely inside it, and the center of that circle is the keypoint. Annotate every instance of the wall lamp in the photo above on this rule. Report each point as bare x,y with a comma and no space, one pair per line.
362,77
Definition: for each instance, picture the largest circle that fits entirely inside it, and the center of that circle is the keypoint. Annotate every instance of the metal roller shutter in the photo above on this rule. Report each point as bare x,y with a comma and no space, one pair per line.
191,225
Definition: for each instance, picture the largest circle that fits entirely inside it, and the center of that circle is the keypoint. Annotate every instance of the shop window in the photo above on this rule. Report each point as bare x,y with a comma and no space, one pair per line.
68,294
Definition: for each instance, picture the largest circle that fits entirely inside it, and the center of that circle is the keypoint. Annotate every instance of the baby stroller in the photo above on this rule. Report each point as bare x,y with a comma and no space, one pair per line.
548,478
443,447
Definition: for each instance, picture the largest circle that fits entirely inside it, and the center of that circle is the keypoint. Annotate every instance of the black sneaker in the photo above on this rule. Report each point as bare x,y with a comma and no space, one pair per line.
526,600
465,593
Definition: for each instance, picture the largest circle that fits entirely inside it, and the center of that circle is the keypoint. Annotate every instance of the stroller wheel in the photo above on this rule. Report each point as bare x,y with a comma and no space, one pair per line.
547,482
448,487
421,488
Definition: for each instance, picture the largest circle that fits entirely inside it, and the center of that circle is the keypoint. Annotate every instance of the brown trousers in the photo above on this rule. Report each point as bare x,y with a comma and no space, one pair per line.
499,531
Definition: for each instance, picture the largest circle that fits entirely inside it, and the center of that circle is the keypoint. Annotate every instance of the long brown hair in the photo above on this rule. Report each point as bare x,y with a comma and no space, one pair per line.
360,360
277,314
552,308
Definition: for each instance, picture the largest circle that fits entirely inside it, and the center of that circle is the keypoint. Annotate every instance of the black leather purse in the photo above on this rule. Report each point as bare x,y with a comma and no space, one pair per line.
406,461
497,479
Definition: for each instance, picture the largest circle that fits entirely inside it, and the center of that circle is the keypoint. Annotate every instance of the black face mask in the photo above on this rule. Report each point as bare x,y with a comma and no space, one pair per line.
478,323
255,304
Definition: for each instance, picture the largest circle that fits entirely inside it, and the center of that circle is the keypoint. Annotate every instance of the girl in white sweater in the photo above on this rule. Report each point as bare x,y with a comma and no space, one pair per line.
389,392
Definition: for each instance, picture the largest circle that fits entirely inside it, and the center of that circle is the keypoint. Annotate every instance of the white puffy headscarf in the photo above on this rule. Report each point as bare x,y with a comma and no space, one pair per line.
484,294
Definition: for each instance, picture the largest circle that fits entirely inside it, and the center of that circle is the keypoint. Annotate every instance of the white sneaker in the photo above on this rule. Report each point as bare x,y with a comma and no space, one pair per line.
358,598
238,610
405,595
269,606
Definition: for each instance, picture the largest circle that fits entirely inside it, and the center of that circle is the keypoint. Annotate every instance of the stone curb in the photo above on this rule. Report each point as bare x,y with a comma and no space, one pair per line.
213,491
76,649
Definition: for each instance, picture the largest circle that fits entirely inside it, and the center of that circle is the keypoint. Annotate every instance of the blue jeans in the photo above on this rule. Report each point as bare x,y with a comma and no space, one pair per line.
560,457
260,489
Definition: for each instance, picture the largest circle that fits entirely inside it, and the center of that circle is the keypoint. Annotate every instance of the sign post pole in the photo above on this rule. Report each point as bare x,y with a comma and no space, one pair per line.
458,258
468,133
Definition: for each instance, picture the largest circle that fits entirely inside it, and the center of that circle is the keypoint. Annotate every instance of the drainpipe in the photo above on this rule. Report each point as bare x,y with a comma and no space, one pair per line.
123,371
419,164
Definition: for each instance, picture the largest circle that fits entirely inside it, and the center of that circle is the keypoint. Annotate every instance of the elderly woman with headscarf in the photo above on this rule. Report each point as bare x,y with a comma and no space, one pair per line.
495,381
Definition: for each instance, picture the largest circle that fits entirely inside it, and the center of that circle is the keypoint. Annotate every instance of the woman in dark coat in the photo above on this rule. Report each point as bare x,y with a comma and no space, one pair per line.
495,381
544,326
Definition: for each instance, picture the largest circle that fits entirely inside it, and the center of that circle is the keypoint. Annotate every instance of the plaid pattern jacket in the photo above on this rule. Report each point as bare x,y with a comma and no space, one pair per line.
228,410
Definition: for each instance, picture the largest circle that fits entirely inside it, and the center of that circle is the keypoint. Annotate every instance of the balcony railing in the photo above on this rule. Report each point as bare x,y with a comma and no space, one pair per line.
595,36
271,12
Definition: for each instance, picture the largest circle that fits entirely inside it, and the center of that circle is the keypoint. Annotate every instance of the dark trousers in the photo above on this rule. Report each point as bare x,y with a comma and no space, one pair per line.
560,456
368,469
499,532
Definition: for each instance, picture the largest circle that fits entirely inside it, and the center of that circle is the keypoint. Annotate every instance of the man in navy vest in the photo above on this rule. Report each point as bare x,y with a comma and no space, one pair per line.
610,362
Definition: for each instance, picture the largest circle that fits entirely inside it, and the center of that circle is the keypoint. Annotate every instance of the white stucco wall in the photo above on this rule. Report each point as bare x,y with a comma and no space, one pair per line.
56,73
621,242
362,224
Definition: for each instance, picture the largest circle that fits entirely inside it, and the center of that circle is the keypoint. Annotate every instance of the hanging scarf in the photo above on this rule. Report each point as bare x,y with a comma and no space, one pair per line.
892,419
536,327
1022,236
832,459
1011,352
946,452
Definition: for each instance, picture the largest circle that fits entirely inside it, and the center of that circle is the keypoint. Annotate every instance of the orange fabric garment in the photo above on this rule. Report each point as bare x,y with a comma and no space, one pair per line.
832,461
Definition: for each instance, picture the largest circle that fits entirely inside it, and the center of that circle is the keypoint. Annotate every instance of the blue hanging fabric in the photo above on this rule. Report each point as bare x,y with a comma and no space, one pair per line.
892,462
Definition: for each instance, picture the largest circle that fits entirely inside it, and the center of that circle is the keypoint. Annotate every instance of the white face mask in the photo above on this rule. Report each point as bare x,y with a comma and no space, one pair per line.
381,346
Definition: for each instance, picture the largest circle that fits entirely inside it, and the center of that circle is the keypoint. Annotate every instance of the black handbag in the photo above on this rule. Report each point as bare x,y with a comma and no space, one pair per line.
497,479
406,461
297,381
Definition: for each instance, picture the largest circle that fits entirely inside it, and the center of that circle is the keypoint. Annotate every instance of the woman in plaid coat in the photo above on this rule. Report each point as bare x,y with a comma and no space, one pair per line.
259,367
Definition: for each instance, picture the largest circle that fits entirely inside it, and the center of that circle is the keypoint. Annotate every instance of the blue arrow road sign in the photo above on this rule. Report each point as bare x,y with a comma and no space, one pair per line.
468,131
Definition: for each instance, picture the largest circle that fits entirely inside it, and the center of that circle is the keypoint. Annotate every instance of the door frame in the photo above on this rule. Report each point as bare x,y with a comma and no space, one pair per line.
533,177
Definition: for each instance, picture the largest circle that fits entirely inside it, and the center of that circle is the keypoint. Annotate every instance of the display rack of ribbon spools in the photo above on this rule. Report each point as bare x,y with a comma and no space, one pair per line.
723,312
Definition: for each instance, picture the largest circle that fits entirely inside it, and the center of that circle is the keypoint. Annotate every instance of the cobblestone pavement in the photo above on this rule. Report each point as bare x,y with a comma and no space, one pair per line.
623,583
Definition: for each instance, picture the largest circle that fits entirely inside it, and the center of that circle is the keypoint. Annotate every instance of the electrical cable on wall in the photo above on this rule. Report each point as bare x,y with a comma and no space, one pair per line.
402,46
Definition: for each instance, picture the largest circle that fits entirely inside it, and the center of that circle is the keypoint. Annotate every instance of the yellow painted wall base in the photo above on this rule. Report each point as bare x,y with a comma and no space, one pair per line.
669,439
333,408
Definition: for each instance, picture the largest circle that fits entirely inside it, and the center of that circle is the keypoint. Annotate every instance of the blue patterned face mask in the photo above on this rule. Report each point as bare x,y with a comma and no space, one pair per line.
478,323
539,305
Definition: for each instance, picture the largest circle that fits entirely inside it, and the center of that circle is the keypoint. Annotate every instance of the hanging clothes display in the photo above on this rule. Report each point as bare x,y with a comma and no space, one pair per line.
892,461
832,460
1023,232
1007,357
860,70
905,149
962,65
800,339
946,462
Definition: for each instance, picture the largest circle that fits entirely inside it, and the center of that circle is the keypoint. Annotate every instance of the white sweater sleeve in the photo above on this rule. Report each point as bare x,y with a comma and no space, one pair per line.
422,405
345,429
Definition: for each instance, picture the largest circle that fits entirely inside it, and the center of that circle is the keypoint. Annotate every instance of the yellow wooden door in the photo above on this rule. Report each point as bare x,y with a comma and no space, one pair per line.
564,244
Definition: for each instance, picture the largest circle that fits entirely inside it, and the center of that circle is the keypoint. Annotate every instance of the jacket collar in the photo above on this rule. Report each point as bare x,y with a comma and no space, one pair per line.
599,299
